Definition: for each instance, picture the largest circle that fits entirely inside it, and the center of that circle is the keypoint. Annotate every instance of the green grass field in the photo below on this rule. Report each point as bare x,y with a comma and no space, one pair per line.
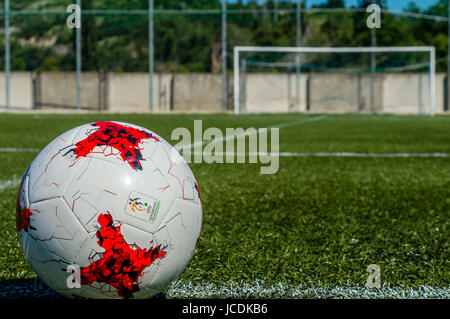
311,230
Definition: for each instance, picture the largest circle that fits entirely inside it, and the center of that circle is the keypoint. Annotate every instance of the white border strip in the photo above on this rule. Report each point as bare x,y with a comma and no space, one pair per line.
259,289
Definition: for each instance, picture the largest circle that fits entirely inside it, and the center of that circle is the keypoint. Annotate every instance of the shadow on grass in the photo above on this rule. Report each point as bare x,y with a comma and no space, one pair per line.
34,288
31,288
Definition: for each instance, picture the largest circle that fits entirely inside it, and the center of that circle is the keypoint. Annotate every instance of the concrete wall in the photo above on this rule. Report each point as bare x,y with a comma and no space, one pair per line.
197,93
21,89
263,92
59,88
339,93
272,92
409,93
128,92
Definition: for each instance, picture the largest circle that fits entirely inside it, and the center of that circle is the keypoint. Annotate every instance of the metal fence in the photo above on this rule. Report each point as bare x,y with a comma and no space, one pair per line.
293,14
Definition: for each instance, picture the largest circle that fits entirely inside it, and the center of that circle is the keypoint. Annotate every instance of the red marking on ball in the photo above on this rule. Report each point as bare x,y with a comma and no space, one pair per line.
121,265
123,138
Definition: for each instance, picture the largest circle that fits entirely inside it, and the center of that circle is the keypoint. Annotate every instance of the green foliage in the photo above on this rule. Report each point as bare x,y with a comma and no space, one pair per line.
50,64
186,42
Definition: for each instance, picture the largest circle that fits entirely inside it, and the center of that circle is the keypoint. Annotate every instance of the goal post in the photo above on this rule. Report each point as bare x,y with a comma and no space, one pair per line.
428,50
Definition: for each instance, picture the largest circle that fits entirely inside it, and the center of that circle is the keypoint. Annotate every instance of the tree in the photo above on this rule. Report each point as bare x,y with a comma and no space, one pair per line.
190,42
334,4
89,38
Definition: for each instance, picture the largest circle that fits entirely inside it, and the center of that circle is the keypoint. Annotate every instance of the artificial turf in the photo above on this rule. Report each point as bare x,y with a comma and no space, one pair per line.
318,221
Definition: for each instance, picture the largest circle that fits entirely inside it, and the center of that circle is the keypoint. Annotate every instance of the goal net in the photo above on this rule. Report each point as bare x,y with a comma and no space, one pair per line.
399,80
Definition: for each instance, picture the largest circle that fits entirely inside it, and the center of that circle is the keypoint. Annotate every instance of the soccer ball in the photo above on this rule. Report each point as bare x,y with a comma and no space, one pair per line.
108,210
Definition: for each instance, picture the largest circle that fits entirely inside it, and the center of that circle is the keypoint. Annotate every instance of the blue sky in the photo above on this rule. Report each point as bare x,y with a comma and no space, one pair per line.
392,4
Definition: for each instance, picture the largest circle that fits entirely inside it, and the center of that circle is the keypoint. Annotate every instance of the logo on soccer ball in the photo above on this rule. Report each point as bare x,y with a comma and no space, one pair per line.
142,206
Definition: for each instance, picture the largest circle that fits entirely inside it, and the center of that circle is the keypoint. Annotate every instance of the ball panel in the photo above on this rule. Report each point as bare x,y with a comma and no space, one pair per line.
53,219
140,199
180,231
176,171
53,273
52,169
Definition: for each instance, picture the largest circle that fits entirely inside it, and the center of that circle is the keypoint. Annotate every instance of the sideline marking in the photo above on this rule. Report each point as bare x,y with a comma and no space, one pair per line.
18,150
260,289
10,183
340,154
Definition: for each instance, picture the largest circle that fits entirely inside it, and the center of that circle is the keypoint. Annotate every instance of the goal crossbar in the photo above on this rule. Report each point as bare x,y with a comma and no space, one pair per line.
427,49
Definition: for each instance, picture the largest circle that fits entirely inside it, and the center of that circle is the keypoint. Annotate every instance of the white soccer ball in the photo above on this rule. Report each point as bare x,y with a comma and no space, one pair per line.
108,210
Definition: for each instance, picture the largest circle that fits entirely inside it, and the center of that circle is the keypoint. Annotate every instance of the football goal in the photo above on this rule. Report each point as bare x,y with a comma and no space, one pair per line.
398,80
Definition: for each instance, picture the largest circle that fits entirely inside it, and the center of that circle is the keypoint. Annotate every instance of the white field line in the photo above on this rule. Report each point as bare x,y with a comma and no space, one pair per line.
337,154
18,150
259,289
10,183
301,121
314,154
352,154
284,154
272,154
281,125
280,154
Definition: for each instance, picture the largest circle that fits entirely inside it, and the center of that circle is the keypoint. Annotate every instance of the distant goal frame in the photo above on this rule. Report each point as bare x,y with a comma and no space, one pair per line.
430,49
